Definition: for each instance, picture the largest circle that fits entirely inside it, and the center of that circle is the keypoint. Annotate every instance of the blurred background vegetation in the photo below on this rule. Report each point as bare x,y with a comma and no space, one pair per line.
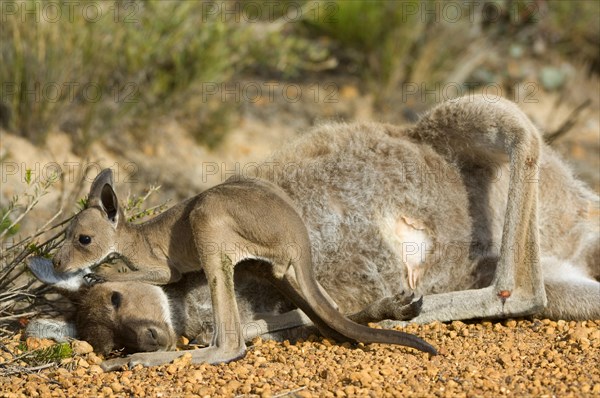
114,67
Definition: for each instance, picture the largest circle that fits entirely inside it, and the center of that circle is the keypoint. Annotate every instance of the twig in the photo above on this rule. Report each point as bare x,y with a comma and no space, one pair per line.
24,315
42,231
29,207
6,349
568,123
288,393
21,369
40,189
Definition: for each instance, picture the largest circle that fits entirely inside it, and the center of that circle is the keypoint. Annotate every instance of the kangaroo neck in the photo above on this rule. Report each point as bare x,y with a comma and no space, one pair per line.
177,307
151,244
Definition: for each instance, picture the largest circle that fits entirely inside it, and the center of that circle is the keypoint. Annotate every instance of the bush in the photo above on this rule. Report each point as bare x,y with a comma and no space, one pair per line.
132,63
394,42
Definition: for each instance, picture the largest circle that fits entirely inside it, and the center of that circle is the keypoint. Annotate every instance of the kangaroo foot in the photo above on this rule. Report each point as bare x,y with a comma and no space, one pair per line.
399,307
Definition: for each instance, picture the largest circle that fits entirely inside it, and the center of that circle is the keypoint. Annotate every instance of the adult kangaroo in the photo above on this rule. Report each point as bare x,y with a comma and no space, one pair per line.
241,219
468,208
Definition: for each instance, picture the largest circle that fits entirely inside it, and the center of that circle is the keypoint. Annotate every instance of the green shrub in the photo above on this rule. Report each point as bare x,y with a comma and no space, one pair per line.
133,63
394,42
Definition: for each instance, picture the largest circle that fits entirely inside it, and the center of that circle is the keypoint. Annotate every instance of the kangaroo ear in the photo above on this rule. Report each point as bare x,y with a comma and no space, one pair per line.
103,195
105,177
110,203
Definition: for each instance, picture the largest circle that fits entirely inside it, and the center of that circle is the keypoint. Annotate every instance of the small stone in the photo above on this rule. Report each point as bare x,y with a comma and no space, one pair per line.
585,388
365,378
579,334
183,341
196,375
34,343
304,394
232,386
94,359
116,387
269,374
260,360
66,361
183,360
95,369
81,347
505,360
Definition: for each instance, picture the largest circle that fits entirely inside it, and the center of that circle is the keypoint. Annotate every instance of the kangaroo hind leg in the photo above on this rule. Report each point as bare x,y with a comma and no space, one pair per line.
472,130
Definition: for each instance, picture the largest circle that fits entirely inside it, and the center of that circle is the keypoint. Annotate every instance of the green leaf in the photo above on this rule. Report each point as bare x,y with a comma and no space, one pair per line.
54,353
28,176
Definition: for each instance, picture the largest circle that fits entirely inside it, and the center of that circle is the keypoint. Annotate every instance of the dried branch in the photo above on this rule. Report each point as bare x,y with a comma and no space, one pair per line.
568,124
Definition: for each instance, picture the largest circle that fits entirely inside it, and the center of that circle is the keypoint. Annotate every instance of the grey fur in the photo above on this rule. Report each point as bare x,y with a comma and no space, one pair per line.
511,232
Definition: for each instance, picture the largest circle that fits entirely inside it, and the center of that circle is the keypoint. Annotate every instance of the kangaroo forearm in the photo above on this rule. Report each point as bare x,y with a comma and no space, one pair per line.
154,275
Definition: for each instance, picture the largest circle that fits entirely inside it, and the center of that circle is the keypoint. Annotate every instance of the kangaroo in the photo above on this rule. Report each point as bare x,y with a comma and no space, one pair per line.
237,220
140,317
467,208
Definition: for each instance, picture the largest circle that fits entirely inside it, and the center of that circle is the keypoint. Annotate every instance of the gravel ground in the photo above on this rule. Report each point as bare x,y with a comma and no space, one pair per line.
509,358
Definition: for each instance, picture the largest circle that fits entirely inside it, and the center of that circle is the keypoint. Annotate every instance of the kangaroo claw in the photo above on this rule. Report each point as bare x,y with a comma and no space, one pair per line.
404,307
93,279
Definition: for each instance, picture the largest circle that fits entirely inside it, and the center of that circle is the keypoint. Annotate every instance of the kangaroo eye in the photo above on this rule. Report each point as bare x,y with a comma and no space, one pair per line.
85,239
115,299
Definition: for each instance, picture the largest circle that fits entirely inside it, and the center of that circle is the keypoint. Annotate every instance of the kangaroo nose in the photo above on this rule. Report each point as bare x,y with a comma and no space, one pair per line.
151,338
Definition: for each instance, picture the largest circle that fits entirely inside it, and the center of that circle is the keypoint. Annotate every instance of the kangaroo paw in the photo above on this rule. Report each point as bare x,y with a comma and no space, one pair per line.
402,307
114,364
399,307
93,279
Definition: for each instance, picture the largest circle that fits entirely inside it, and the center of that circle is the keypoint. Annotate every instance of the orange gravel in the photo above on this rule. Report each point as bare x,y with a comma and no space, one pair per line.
487,359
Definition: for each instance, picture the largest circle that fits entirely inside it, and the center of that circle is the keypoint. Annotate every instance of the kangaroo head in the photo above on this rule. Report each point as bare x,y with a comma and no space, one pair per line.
133,315
114,315
93,233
